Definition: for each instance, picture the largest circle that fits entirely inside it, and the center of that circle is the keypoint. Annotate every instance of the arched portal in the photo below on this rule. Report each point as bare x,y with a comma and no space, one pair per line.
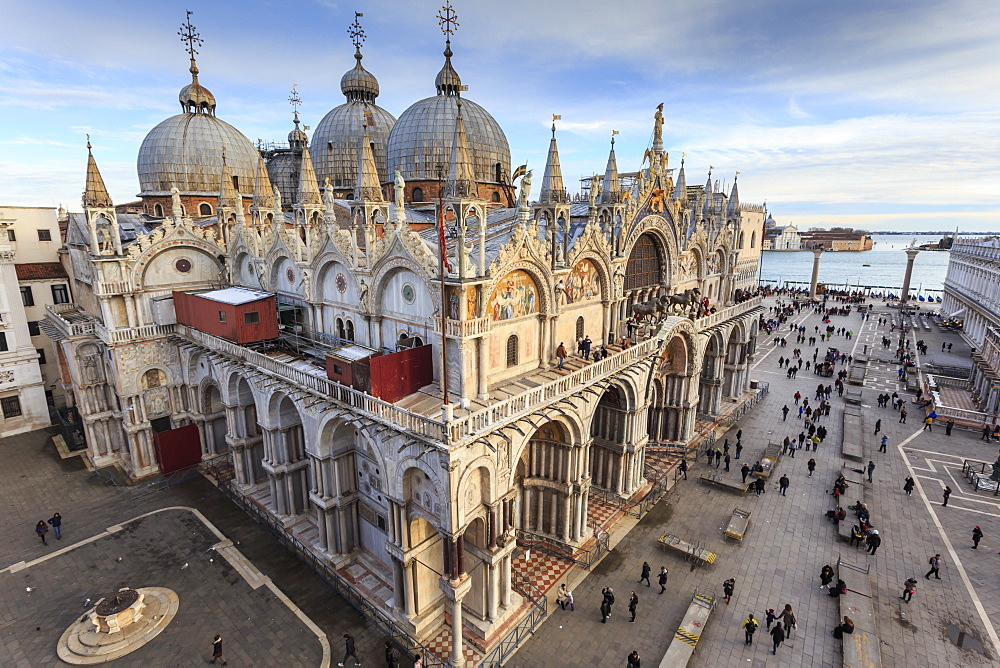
710,380
673,413
549,474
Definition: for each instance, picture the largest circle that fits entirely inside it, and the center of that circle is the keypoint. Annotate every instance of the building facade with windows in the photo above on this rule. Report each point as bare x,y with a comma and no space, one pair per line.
23,404
456,436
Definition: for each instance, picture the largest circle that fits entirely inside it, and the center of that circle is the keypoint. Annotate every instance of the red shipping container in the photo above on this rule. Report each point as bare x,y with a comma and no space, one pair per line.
397,375
237,314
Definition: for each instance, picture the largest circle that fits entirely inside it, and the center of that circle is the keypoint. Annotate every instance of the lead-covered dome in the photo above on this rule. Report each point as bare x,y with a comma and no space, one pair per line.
187,150
421,138
337,138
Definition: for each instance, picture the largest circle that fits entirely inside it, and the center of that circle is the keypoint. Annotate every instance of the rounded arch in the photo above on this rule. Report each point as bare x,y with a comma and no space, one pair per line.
181,266
421,495
587,280
205,210
384,270
661,228
572,431
477,489
539,277
417,195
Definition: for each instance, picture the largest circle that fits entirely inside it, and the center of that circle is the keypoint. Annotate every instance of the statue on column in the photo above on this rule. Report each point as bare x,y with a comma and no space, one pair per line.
595,190
399,187
658,125
525,190
175,201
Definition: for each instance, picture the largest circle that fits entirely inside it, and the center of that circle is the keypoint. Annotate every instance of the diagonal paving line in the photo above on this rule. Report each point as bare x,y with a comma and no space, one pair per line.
990,630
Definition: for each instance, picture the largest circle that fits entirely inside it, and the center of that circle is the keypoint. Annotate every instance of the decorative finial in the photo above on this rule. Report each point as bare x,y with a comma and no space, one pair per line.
555,117
88,143
448,20
193,38
613,133
357,33
295,101
736,177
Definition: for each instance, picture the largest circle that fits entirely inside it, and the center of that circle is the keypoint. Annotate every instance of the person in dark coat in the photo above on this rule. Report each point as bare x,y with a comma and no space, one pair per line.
349,650
758,486
908,486
727,459
391,655
977,535
633,603
684,468
777,636
812,467
838,589
846,626
217,650
727,589
946,493
661,579
56,522
826,576
634,661
948,426
745,471
783,484
873,541
718,457
645,573
41,529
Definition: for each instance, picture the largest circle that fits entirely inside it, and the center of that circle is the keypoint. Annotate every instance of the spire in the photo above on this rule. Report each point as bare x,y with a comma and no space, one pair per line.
680,187
461,179
263,194
611,189
553,191
194,97
706,207
447,81
308,185
227,191
734,199
367,188
296,138
96,194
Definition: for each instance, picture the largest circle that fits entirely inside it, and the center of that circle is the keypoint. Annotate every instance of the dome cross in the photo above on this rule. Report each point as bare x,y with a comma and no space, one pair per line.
191,36
356,32
448,20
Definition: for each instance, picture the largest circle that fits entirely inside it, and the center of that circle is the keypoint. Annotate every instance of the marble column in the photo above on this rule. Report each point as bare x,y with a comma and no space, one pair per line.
815,273
911,255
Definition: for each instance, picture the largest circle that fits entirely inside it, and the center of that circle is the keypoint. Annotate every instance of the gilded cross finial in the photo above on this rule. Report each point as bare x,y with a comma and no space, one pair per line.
294,98
448,20
356,32
191,36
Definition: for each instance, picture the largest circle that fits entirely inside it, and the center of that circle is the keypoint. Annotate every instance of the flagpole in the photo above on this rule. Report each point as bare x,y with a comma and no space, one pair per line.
444,303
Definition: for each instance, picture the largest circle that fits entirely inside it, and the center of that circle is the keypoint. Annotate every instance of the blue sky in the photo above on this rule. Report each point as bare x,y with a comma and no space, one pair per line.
879,115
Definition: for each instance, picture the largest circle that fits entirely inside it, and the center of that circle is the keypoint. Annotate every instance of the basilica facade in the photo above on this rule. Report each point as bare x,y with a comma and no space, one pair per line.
384,236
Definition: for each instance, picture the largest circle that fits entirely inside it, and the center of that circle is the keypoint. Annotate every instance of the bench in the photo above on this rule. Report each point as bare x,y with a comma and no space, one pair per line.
689,632
739,521
862,648
769,460
717,479
852,445
693,553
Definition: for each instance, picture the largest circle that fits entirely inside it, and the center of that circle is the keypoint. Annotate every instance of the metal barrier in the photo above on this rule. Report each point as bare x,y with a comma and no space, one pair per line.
557,548
111,475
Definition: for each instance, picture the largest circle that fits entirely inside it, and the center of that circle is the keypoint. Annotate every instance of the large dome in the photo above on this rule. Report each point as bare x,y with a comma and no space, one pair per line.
186,151
421,139
337,138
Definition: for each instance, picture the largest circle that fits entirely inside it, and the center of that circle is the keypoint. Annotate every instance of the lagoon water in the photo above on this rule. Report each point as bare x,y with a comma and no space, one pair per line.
846,269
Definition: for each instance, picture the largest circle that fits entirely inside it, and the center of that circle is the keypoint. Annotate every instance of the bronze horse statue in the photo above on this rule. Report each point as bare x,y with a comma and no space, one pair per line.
650,308
684,299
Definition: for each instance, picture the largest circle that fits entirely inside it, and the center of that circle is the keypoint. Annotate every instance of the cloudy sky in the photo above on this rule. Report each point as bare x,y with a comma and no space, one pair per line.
884,115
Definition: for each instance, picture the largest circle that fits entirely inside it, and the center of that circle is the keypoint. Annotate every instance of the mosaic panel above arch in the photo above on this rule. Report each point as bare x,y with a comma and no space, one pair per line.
515,296
583,283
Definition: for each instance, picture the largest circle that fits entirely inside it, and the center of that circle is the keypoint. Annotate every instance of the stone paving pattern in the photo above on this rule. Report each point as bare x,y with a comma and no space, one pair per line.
789,540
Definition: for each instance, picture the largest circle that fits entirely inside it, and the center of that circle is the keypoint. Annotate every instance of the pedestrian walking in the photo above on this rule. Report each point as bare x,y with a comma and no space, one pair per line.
418,661
586,347
605,611
902,417
885,442
878,425
946,494
873,541
739,435
777,637
871,469
745,471
935,563
561,596
739,449
758,486
749,627
948,426
718,457
783,484
684,468
569,601
787,618
41,529
634,660
784,417
561,355
727,589
727,460
633,603
928,423
977,535
217,650
812,467
797,396
661,579
56,522
391,655
826,576
645,573
349,650
909,587
986,433
908,485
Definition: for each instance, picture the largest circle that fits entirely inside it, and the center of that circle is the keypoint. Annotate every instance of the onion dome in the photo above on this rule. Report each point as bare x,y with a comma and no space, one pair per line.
337,137
419,140
297,138
194,97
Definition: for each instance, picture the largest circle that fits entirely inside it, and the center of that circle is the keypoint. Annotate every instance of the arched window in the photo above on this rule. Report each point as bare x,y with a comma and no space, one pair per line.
512,350
341,333
205,209
418,195
753,240
643,269
579,328
496,197
350,330
158,211
741,241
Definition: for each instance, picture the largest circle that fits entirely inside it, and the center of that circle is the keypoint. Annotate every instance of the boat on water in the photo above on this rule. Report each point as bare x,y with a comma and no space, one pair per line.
866,265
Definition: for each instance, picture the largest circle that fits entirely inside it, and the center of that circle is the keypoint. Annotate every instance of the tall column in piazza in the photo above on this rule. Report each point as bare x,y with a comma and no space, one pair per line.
817,251
911,254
